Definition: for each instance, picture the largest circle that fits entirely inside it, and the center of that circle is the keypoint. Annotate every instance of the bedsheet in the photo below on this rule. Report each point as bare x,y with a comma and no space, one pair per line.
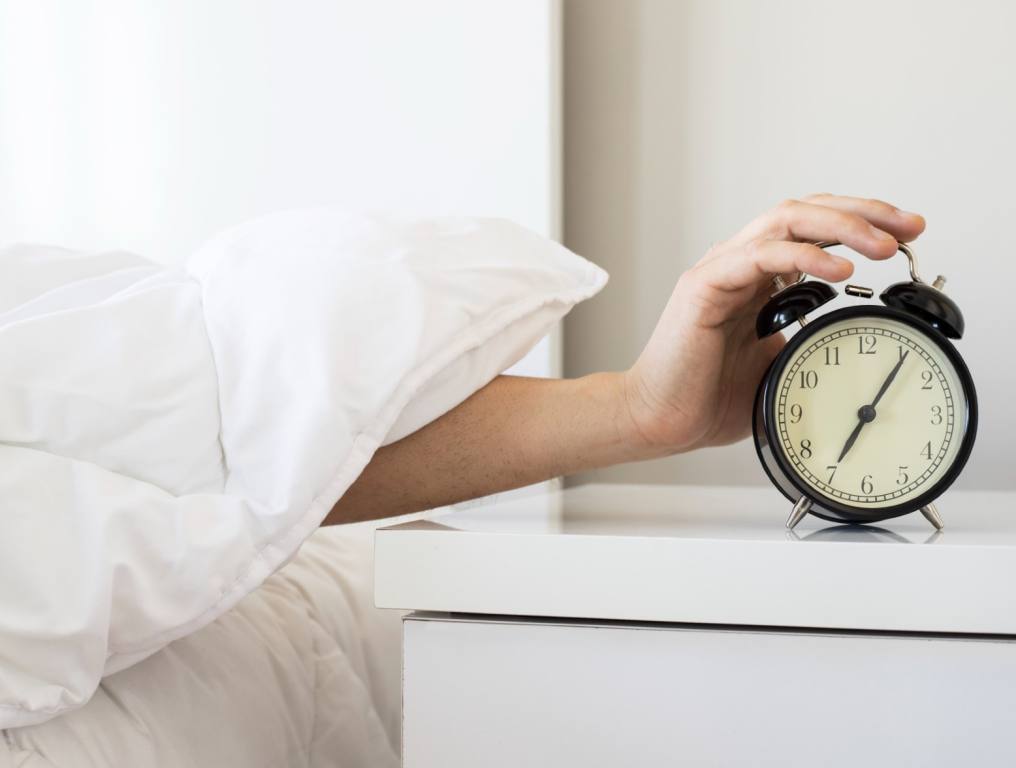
304,671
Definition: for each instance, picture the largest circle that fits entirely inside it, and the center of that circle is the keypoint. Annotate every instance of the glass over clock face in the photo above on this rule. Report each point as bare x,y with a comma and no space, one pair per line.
869,412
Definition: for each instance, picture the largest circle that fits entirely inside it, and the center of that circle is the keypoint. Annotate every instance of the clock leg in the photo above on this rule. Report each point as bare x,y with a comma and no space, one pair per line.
933,517
801,508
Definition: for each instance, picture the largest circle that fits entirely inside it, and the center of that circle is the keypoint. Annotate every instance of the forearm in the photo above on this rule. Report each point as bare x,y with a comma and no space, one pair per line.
513,432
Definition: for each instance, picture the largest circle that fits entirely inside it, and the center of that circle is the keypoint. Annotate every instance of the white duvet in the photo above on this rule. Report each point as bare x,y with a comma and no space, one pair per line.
168,438
302,672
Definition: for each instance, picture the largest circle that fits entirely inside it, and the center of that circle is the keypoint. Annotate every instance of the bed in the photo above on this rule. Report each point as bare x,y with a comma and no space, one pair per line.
302,672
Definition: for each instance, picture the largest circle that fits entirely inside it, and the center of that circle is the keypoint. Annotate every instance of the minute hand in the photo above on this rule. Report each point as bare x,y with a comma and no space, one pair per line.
869,411
889,379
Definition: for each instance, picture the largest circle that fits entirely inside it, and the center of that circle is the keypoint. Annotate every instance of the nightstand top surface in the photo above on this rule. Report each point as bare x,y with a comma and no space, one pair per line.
706,555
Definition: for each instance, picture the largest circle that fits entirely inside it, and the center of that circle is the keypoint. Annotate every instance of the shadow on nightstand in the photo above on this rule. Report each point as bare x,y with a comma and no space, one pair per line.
867,534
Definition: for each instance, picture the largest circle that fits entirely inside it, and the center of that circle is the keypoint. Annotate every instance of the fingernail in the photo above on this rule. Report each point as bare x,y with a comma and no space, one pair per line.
903,214
881,234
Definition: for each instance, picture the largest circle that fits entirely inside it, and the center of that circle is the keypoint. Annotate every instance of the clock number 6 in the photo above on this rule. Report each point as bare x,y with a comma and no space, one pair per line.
866,486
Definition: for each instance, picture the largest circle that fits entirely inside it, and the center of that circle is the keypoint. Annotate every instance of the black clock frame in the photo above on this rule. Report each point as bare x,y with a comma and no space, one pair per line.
778,467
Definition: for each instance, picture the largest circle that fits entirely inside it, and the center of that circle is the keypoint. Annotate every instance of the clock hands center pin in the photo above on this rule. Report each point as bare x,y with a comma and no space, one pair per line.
866,413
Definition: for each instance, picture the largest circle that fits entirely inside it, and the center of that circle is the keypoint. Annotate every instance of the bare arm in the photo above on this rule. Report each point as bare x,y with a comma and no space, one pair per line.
513,432
692,386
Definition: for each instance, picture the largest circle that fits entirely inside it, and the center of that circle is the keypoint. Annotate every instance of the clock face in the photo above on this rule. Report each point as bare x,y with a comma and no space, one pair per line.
869,412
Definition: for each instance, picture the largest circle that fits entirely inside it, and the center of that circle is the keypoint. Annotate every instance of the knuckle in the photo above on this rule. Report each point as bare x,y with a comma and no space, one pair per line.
886,209
696,275
752,251
851,222
690,282
781,217
788,206
756,257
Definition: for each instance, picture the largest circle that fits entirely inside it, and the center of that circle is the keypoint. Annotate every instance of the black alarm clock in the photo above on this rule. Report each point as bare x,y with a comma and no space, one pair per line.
868,412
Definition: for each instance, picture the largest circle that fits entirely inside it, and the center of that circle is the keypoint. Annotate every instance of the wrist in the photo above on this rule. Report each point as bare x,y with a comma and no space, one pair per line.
600,418
637,424
654,427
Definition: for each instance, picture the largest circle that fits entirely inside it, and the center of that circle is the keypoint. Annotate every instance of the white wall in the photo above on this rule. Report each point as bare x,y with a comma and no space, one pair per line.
685,119
149,125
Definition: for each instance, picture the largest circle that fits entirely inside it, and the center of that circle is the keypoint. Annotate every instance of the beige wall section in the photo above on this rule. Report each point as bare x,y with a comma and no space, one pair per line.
685,119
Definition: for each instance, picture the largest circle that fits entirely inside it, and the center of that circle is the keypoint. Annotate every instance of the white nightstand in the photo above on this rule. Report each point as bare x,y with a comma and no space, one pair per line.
666,625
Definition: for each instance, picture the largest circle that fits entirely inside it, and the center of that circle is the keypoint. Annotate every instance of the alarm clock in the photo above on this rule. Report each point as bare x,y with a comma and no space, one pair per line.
868,412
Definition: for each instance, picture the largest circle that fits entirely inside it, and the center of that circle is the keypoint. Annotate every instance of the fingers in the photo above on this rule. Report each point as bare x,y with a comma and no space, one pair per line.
797,220
809,221
740,268
902,225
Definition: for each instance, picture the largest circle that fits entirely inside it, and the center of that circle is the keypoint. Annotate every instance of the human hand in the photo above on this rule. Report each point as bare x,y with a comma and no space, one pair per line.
694,383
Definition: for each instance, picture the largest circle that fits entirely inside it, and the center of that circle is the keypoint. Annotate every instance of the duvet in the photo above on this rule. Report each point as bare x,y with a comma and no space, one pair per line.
301,672
169,437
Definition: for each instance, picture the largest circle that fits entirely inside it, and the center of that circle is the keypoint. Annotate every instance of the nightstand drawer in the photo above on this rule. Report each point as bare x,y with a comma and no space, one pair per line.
513,692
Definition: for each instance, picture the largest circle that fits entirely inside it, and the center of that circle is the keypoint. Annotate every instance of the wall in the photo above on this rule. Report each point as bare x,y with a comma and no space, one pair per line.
683,120
148,126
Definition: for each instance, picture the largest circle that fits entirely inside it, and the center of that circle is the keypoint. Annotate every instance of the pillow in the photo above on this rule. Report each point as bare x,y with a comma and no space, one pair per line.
170,437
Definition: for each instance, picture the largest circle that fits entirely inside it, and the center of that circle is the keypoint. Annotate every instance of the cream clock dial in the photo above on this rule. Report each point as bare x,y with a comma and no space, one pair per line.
869,412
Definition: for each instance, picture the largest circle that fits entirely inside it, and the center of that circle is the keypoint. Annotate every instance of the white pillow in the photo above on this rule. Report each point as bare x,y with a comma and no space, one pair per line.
168,440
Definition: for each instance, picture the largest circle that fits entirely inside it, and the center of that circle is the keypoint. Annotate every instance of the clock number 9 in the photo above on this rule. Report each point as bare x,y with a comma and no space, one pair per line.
796,412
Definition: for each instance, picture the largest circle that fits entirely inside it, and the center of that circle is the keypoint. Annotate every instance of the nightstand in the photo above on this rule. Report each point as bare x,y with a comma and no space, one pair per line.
669,625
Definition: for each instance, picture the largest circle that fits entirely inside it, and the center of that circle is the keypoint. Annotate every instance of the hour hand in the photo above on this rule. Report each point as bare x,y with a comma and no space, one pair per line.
851,440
